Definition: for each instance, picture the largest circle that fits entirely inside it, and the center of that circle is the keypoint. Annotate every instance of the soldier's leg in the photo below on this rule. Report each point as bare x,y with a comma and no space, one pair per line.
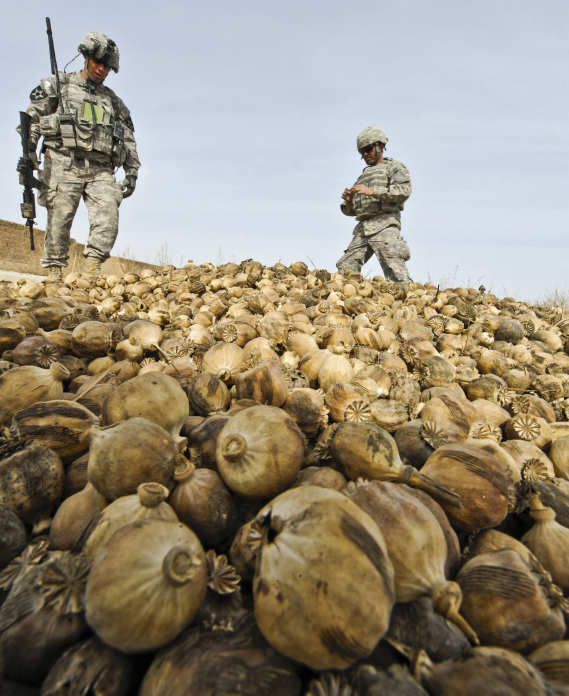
60,194
102,197
392,251
357,253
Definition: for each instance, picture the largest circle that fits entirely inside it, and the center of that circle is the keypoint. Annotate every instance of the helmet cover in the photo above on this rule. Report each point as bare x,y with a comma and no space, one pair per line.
100,48
371,135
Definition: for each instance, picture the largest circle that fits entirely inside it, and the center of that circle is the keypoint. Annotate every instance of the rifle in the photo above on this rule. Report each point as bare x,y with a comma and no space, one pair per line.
53,61
27,178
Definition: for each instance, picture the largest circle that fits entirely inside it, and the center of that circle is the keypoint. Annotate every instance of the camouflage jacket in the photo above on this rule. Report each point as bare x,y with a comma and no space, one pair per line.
80,134
391,186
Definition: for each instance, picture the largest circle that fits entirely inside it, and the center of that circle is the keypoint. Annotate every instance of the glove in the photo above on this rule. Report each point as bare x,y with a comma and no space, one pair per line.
128,186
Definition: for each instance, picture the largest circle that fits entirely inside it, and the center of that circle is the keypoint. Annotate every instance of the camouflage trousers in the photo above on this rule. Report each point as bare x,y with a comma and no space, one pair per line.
64,182
388,245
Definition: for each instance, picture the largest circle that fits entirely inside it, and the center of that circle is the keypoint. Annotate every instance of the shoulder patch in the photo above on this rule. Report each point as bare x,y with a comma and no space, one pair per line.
128,123
38,94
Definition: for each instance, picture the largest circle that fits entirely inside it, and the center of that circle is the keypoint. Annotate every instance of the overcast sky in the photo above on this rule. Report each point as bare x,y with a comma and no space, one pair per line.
246,116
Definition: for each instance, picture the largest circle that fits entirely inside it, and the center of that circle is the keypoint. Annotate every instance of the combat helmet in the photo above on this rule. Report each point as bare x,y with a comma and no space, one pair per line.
371,135
101,48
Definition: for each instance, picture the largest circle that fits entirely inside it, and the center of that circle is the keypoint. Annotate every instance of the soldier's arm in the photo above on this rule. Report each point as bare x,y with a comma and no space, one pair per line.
43,102
398,188
347,207
132,163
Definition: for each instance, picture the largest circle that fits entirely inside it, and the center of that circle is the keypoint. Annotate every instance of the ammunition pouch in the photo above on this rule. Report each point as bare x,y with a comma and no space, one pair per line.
49,126
119,149
67,129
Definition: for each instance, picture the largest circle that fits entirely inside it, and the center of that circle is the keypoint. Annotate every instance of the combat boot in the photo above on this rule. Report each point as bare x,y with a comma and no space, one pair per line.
54,274
92,266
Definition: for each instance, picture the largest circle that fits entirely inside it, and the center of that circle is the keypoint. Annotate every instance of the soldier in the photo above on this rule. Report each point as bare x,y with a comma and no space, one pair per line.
377,200
84,139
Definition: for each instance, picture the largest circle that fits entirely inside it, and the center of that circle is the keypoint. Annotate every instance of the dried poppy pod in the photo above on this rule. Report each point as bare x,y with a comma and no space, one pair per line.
311,363
146,333
491,540
366,450
389,414
31,482
24,386
418,439
44,613
379,376
90,666
416,546
323,476
264,383
301,343
259,452
308,409
202,501
36,350
549,542
453,555
507,602
75,514
154,396
490,671
148,503
490,387
49,312
435,371
332,336
335,368
553,660
12,536
529,428
208,394
203,440
244,549
60,425
454,415
533,463
197,662
326,600
559,456
491,412
145,585
129,349
225,360
93,339
99,365
479,479
346,403
131,452
11,334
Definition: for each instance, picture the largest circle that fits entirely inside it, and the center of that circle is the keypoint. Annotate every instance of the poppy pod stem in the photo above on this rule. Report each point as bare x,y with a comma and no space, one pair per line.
234,447
447,599
152,494
180,565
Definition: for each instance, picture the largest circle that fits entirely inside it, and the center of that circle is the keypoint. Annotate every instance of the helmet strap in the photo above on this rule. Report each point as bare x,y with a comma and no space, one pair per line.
91,77
378,153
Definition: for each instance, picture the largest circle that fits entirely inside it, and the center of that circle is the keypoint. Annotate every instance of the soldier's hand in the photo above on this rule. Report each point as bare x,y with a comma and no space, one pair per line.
362,189
22,169
347,195
128,186
34,158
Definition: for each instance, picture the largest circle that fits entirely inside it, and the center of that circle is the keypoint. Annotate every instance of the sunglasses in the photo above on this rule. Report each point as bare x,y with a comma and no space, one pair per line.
366,150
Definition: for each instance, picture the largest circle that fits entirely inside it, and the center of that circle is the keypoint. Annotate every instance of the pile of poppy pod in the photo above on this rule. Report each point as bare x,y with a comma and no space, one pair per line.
280,481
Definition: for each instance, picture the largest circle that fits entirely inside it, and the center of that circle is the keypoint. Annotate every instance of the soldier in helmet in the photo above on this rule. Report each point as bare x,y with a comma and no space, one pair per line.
83,145
376,200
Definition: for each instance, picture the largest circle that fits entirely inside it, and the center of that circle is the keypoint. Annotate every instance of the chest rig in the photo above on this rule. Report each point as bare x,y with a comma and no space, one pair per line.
89,122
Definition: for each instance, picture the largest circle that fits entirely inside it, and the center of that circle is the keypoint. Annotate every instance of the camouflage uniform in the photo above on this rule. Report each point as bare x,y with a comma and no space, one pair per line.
79,161
379,221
